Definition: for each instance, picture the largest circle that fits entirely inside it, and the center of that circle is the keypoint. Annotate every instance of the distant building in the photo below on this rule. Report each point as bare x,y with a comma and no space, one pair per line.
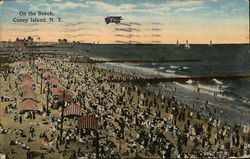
76,42
30,39
24,42
62,41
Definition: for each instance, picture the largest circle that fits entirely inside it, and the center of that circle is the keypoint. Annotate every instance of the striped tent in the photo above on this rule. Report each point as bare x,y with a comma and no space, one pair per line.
23,72
54,81
68,97
24,64
47,74
27,105
25,89
26,76
41,66
29,95
26,83
57,91
2,113
87,122
72,110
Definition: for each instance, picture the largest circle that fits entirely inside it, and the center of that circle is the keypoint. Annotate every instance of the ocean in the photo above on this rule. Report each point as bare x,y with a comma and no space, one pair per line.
220,59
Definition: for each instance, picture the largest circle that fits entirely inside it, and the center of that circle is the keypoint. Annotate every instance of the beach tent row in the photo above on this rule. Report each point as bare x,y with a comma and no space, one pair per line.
48,75
52,78
28,102
72,110
26,88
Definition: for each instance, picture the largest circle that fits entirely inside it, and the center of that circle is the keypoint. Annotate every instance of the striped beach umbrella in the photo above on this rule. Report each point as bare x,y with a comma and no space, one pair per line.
47,74
57,91
87,122
72,110
27,105
54,81
67,98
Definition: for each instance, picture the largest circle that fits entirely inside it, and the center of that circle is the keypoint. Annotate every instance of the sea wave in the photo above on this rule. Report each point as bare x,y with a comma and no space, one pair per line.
141,71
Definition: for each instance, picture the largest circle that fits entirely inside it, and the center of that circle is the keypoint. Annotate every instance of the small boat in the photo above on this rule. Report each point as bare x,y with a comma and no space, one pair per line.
210,44
177,44
187,45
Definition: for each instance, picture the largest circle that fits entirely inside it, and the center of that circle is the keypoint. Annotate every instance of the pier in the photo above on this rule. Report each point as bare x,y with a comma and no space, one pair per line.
180,79
141,61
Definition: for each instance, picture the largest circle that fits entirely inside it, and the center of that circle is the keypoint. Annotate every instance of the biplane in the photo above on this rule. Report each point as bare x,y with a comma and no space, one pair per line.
113,19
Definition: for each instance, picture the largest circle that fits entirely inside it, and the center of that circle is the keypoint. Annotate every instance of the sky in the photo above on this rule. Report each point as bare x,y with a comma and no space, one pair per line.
144,21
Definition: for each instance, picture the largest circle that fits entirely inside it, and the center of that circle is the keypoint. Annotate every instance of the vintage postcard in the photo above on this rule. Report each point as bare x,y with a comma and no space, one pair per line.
99,79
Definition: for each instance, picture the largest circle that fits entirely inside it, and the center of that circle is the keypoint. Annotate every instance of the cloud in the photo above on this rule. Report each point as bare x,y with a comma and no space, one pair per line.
81,35
75,29
151,8
111,8
23,29
127,36
188,9
20,0
185,3
108,8
74,24
28,24
57,6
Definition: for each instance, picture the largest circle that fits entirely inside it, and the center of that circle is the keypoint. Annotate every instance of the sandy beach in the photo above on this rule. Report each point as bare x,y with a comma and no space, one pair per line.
132,121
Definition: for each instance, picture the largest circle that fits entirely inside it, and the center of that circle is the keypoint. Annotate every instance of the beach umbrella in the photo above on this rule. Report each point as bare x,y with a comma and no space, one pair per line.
57,91
47,74
25,89
27,105
24,64
29,95
14,94
72,110
22,72
2,113
26,84
41,66
68,98
54,81
27,80
87,122
26,77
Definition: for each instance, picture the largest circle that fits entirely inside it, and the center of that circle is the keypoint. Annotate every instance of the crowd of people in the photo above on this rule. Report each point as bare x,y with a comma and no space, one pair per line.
132,121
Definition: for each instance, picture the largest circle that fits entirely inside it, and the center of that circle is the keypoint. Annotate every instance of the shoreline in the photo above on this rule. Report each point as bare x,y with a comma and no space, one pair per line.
235,117
154,126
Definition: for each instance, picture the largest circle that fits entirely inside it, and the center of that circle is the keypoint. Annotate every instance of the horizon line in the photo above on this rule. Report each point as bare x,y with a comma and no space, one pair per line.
137,43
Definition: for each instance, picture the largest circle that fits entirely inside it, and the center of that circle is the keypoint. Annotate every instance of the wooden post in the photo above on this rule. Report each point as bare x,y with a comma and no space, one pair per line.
48,99
62,116
41,90
36,74
97,143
